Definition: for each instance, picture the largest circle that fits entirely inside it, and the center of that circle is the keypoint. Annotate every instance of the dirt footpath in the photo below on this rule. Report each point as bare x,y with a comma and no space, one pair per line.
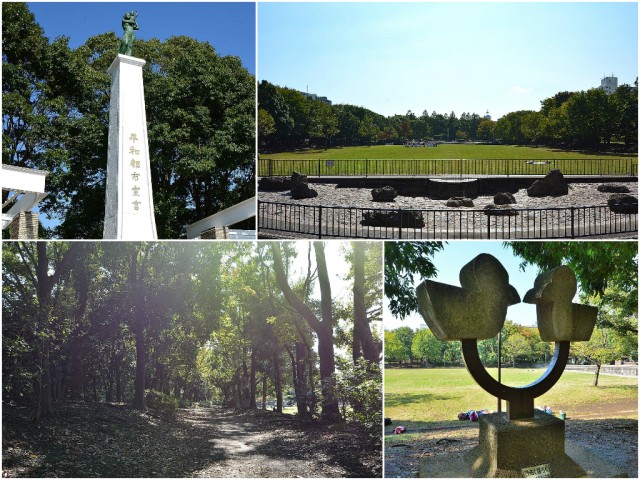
102,440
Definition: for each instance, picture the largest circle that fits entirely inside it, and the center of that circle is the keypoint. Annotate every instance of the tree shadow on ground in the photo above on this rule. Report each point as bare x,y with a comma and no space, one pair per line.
400,399
337,450
101,440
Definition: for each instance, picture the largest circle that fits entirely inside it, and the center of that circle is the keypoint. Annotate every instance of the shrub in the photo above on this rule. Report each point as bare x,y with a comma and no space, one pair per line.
160,401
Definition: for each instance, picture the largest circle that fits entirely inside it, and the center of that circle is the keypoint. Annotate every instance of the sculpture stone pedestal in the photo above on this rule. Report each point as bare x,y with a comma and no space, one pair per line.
532,447
513,448
129,213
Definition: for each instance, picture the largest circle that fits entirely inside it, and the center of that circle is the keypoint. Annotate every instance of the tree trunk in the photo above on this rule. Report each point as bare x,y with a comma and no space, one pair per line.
330,410
44,394
252,380
118,384
597,376
371,350
302,391
278,381
264,391
77,365
323,329
135,282
138,397
77,340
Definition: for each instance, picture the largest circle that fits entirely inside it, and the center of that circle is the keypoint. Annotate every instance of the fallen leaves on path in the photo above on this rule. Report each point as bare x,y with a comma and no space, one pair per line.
107,440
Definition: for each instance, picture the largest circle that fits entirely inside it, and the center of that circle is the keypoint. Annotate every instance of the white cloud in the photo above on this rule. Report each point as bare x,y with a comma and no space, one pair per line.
520,89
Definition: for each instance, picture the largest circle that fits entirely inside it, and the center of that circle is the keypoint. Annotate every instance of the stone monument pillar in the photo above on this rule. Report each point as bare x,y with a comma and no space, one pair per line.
129,213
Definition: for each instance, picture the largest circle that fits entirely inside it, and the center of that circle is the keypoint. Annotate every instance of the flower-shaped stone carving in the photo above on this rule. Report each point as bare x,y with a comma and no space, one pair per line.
477,310
559,319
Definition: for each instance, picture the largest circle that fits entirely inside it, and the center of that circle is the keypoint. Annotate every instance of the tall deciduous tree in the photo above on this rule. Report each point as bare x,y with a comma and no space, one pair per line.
323,327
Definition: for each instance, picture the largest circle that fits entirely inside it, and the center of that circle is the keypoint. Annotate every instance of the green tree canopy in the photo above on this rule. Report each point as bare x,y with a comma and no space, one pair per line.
401,261
200,111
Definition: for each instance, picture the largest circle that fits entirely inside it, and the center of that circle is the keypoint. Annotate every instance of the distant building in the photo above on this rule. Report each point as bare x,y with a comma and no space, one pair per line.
609,84
313,96
487,116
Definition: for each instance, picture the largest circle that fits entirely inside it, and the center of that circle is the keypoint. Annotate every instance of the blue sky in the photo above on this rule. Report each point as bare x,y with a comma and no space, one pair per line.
229,27
473,57
453,257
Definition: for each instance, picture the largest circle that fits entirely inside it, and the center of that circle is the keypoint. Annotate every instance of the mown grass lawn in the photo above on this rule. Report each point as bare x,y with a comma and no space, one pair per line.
418,395
445,159
443,151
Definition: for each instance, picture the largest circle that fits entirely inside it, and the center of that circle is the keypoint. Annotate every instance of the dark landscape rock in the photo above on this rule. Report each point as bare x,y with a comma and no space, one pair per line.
384,194
613,188
500,210
456,202
274,184
504,198
393,218
297,179
553,184
622,203
302,190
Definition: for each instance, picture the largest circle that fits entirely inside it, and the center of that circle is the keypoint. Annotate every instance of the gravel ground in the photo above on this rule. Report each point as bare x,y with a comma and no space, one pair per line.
443,222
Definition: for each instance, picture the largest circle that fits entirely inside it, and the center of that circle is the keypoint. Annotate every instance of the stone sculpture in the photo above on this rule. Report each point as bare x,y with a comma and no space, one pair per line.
525,439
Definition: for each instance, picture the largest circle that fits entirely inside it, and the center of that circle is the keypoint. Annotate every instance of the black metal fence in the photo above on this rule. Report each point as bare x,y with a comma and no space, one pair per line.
514,223
461,168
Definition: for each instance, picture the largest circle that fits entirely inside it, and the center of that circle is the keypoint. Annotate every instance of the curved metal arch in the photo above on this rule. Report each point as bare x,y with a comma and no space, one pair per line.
520,399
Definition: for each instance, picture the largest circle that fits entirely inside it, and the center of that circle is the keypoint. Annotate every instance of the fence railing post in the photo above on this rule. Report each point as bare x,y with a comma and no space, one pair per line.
318,167
270,167
488,227
320,222
366,167
400,223
573,233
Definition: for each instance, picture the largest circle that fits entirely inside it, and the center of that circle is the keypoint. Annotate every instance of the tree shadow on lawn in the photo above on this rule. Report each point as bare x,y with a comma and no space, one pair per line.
102,440
593,153
618,387
420,427
403,399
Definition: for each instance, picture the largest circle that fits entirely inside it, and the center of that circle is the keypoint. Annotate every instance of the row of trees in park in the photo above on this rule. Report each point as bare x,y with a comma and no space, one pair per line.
519,344
238,324
200,111
288,119
607,277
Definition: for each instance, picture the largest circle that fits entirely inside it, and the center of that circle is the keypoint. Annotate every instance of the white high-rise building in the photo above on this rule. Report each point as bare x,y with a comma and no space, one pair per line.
609,84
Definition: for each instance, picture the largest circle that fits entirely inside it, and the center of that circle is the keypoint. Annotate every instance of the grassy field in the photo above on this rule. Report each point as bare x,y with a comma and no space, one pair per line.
443,151
445,159
439,394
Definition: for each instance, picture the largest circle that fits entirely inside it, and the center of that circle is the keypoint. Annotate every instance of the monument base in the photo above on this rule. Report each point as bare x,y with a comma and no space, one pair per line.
520,448
24,226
